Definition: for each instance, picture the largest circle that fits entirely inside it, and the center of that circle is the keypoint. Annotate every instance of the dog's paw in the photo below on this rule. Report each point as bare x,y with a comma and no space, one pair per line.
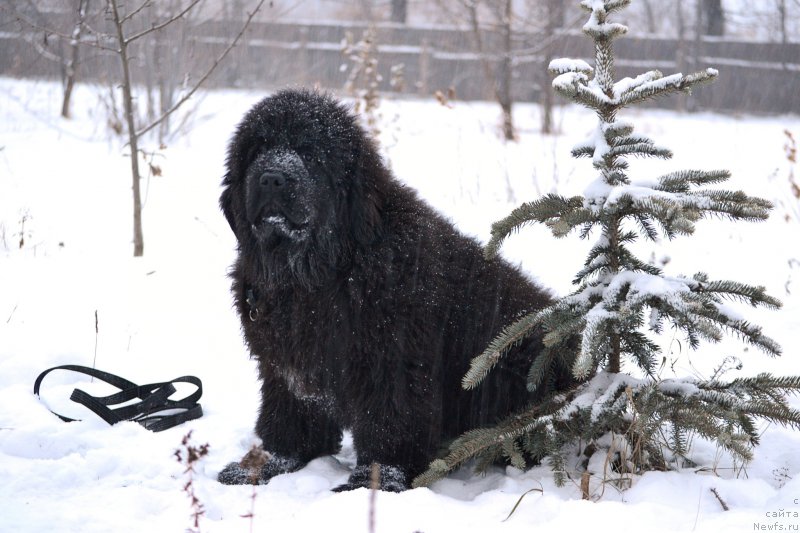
235,474
247,473
390,479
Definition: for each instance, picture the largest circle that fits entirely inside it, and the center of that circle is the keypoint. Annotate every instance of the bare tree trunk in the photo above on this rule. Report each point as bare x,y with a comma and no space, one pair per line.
424,68
504,81
554,11
399,11
784,35
72,62
133,138
366,5
488,72
651,19
697,48
498,83
165,82
680,60
714,17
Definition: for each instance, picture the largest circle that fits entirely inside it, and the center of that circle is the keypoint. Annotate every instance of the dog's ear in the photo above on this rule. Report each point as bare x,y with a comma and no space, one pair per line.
227,208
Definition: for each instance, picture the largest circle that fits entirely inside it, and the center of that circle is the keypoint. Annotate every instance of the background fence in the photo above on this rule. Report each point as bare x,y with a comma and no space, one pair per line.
754,77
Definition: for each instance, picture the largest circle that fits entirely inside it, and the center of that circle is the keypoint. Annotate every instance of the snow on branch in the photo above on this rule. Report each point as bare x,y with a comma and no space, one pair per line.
662,86
608,6
565,64
597,27
575,85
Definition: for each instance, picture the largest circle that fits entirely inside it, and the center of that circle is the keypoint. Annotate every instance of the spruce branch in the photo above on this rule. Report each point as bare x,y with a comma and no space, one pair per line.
682,180
629,139
627,84
541,367
664,86
513,453
605,259
479,441
595,346
574,85
615,130
747,332
734,290
675,214
562,321
724,412
513,334
564,65
640,149
735,205
583,150
642,350
598,29
644,221
560,214
773,412
764,386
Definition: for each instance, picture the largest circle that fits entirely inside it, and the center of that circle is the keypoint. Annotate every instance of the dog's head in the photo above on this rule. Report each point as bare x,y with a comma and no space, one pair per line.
302,178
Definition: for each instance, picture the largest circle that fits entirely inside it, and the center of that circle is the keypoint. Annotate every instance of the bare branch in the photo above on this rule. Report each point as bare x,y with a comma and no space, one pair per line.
488,71
37,26
136,11
162,24
205,76
133,139
42,50
535,51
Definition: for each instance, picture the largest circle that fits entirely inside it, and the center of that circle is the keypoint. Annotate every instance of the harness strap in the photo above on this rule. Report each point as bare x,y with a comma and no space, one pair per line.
152,412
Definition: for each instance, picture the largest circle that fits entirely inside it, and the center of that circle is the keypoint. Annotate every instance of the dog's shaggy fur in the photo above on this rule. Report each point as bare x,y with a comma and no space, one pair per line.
362,306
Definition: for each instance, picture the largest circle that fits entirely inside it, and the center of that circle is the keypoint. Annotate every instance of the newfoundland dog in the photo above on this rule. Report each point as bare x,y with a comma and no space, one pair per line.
360,303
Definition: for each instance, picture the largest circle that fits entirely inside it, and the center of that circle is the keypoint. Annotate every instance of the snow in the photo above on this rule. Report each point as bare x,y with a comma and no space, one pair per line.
645,285
564,64
682,386
601,146
596,26
599,390
568,81
656,83
627,84
597,192
65,192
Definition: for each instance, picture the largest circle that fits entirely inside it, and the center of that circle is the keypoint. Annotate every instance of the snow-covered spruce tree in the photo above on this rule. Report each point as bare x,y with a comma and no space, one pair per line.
629,421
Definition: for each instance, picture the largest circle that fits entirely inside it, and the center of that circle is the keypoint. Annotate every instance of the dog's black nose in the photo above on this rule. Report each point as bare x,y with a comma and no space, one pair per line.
272,180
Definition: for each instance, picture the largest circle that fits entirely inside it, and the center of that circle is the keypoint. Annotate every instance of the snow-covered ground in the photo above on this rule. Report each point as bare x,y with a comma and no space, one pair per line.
65,254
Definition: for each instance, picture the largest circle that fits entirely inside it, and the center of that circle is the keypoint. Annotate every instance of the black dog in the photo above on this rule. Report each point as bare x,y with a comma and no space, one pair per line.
362,306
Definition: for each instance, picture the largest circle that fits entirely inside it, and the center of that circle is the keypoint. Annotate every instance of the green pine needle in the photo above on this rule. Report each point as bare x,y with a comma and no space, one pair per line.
682,180
511,335
561,214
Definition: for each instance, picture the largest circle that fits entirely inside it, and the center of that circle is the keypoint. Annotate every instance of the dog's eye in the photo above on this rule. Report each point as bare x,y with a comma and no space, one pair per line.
307,157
